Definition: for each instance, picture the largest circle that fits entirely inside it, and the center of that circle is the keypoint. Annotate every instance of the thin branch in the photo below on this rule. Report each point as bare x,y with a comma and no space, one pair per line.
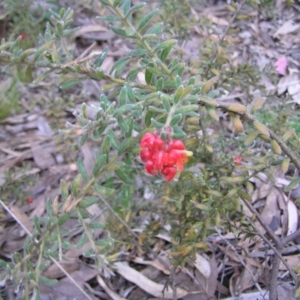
70,277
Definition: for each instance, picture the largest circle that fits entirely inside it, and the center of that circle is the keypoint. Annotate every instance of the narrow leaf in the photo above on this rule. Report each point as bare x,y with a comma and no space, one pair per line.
208,84
146,20
81,170
293,184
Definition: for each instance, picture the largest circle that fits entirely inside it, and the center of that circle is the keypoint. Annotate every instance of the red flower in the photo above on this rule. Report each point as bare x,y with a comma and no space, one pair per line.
30,200
238,160
166,158
23,36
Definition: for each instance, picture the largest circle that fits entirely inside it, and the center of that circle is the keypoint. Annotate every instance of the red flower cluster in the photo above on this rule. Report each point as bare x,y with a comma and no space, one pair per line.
238,160
162,157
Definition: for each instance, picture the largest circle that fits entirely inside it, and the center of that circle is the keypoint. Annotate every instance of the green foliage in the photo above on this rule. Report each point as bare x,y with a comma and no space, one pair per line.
173,101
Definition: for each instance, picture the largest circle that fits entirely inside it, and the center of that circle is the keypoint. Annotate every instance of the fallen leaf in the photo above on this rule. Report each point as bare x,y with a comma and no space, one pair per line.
286,27
147,285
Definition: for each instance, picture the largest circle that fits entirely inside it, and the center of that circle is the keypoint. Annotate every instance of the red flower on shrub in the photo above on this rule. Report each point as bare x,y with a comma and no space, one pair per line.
162,157
238,160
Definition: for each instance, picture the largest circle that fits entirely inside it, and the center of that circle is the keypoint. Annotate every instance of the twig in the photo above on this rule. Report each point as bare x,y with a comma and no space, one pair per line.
213,58
240,259
70,277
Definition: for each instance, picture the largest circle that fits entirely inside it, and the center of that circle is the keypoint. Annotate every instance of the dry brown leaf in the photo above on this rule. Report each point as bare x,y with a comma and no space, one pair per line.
202,265
22,218
147,285
108,291
287,27
292,217
154,263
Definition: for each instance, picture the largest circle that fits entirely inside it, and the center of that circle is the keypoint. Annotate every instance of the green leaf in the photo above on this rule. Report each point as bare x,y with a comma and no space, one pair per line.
132,74
148,118
123,96
176,119
47,281
187,108
130,93
148,76
124,108
96,225
87,202
113,139
293,184
63,218
138,52
104,191
156,124
165,52
126,8
192,81
108,18
208,84
146,20
123,125
178,94
81,241
119,63
4,264
106,145
166,103
135,8
104,2
122,32
64,189
69,84
124,176
100,161
81,170
100,59
178,132
165,44
159,84
156,29
126,144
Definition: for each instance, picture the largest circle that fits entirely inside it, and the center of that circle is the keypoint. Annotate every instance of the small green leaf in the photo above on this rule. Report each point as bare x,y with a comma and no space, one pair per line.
113,139
148,118
96,225
178,132
148,76
63,218
165,44
192,81
135,8
165,52
130,93
156,29
176,119
81,241
108,18
69,84
104,191
119,63
208,84
76,185
121,32
64,189
87,202
159,84
156,124
106,145
123,96
293,184
100,59
124,108
47,281
81,170
124,176
166,103
123,125
126,144
100,161
187,108
146,20
178,94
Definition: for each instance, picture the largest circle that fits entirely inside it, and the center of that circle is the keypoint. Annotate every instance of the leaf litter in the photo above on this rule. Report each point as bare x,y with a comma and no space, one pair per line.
28,138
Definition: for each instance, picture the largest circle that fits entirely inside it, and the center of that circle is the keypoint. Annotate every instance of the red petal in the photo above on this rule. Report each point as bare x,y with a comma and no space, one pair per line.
168,173
149,167
145,154
176,144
